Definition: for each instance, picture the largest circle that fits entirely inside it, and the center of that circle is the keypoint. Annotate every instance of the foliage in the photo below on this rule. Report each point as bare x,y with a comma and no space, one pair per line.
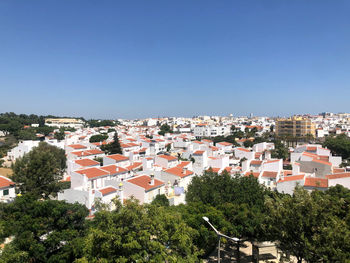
339,145
165,128
60,134
248,143
98,138
13,124
160,200
308,226
43,231
113,147
280,151
239,199
135,233
39,172
6,144
204,238
216,190
99,159
100,123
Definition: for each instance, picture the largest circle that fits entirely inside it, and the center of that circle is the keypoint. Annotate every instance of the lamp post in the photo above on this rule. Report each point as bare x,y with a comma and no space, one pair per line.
220,235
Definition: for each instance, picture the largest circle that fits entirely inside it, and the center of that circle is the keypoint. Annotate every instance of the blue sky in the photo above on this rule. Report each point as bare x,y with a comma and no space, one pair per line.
135,59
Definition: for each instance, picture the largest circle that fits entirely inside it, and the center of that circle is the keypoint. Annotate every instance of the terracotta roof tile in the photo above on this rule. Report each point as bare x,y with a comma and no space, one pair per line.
5,182
118,157
338,175
168,157
144,182
107,190
93,172
179,172
269,174
316,182
86,162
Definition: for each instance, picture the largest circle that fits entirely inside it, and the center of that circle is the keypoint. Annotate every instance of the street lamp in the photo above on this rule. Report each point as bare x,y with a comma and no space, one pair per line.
220,235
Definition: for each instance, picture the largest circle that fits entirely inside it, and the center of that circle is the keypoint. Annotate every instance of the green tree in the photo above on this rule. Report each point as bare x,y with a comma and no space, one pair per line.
59,135
42,231
248,143
160,200
307,227
280,151
113,147
240,199
339,145
135,233
204,237
100,123
98,138
40,171
165,128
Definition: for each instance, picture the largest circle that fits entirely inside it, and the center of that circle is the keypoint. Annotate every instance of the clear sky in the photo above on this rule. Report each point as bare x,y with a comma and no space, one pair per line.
134,59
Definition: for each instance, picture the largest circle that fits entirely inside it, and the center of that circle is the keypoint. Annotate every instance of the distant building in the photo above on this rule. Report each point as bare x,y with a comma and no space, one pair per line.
295,126
64,122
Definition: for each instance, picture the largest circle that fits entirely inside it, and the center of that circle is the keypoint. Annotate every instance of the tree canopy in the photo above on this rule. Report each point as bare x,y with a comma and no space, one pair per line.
114,147
98,138
339,145
135,233
40,171
307,225
165,128
42,231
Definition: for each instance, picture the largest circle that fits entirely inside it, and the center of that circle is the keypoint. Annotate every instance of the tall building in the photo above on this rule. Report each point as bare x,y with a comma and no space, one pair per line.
295,126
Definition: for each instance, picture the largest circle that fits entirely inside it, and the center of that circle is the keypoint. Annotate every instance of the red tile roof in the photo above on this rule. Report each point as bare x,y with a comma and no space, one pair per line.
118,157
167,157
113,169
107,190
255,162
224,143
316,182
93,172
5,182
269,174
86,162
243,149
338,175
179,172
287,172
292,178
77,146
183,164
144,182
94,151
273,161
134,166
87,153
215,170
256,175
311,149
338,170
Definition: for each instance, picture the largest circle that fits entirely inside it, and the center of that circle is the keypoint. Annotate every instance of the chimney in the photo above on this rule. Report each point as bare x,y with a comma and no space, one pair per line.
184,170
121,193
152,180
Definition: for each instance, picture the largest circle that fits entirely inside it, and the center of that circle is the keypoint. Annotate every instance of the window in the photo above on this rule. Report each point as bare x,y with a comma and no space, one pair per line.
5,192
